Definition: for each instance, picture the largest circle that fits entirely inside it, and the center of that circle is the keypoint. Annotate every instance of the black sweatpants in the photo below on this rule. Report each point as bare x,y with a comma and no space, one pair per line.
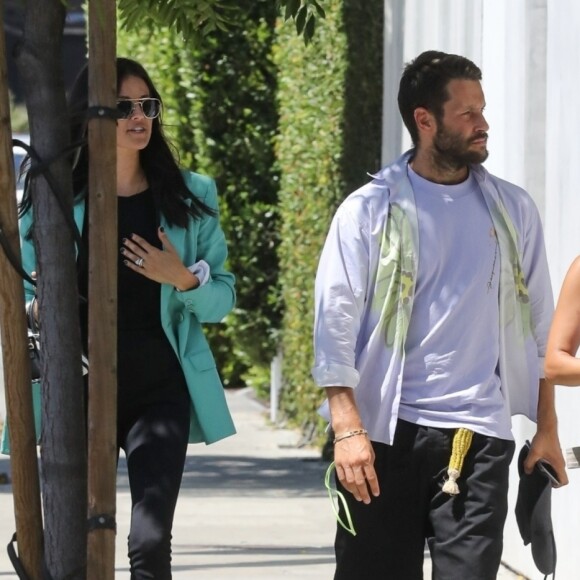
464,532
154,438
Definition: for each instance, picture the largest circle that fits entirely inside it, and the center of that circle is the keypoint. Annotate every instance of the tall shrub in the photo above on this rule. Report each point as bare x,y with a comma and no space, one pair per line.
236,105
330,102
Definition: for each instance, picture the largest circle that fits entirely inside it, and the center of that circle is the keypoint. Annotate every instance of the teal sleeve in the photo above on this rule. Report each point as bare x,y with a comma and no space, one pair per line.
28,253
212,301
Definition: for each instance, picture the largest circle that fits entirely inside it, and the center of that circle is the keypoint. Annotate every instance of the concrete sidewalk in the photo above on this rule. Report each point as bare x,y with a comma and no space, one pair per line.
252,506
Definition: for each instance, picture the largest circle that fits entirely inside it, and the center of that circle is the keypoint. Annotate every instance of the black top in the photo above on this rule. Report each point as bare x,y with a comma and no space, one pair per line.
138,297
148,369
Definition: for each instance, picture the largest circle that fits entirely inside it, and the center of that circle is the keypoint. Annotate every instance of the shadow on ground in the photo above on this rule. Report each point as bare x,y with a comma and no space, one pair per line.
233,475
249,476
253,556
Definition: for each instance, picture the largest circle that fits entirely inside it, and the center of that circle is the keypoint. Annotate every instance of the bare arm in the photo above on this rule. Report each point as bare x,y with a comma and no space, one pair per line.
545,444
562,366
354,457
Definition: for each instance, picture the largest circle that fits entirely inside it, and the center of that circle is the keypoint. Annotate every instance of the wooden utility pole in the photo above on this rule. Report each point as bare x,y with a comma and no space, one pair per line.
103,255
26,488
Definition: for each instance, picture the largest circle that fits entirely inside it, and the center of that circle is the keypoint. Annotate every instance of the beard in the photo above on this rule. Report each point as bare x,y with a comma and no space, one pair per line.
451,150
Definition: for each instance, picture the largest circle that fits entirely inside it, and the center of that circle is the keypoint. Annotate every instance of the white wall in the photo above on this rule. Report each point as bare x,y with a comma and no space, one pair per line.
529,52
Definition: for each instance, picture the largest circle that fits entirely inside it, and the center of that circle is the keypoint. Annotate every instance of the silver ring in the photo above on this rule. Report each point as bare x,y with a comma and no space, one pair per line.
139,262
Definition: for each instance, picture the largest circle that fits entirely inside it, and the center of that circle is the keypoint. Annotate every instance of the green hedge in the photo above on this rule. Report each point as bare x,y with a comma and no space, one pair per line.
330,103
236,103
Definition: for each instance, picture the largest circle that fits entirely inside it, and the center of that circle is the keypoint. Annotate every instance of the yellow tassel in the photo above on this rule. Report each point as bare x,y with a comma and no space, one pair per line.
461,443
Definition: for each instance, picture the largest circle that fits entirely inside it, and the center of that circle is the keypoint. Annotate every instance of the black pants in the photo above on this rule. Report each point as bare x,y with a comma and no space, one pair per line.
154,438
464,532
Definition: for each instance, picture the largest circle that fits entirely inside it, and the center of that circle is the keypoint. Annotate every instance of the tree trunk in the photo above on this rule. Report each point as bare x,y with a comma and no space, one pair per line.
26,490
103,256
63,443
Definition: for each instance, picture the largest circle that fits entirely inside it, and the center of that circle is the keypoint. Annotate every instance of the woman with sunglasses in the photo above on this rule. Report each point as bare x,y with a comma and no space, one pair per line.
171,279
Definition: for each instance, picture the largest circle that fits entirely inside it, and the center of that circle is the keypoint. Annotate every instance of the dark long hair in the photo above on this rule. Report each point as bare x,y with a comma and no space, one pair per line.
158,160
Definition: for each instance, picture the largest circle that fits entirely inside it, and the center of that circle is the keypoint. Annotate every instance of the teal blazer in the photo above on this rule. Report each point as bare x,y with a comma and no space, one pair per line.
182,313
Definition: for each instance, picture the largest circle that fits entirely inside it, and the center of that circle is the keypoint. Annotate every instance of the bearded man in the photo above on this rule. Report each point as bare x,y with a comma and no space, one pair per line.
433,303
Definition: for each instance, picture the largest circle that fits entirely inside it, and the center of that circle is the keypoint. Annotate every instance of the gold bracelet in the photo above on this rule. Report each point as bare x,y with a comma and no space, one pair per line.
349,434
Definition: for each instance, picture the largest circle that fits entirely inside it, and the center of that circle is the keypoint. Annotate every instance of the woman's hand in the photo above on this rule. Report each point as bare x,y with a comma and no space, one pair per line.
163,266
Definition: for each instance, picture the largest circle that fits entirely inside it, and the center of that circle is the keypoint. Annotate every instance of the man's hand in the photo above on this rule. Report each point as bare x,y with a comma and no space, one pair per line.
546,446
354,460
354,456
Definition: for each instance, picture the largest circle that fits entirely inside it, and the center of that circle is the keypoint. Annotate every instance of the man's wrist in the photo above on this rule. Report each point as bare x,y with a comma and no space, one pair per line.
349,434
344,413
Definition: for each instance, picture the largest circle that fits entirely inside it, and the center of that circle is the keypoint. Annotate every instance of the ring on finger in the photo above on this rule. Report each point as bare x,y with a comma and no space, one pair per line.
139,262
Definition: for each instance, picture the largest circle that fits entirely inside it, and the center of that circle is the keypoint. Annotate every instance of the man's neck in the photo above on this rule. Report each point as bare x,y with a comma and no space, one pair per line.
425,164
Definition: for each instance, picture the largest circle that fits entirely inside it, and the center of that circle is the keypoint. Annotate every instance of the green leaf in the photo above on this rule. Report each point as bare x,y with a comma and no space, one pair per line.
309,29
292,7
288,12
319,9
301,19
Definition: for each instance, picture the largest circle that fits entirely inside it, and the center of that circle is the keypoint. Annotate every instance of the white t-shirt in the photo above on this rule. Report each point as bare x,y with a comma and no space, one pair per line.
448,375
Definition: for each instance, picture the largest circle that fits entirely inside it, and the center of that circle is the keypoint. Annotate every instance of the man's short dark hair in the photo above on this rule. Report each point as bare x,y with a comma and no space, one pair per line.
424,84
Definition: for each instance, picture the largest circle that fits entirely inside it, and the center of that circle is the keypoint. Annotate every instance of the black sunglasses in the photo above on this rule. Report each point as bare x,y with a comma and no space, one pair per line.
151,107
